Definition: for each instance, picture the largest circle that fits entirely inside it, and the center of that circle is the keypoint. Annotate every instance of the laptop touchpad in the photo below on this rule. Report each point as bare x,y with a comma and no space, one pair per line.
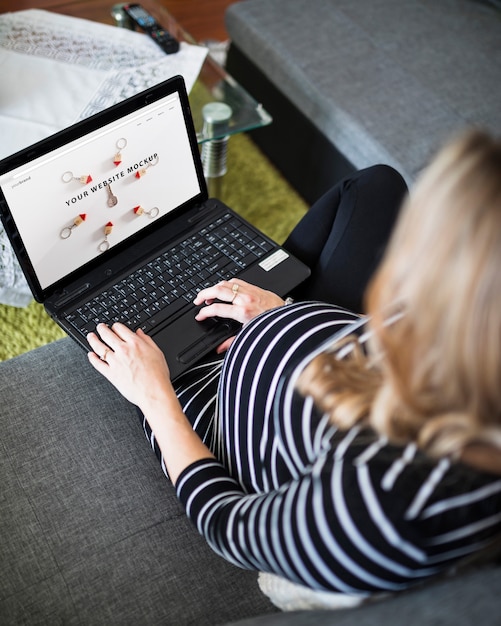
221,330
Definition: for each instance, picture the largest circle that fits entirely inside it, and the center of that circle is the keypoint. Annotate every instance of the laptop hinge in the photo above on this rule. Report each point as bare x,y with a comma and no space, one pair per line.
72,294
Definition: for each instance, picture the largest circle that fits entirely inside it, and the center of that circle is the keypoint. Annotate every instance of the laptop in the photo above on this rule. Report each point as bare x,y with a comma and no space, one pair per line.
110,220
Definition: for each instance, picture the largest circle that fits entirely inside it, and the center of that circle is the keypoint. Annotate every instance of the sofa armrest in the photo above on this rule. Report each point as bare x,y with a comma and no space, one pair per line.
381,82
91,530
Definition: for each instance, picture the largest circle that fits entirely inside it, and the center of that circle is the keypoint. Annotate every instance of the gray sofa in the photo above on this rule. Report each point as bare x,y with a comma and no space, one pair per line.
91,532
350,83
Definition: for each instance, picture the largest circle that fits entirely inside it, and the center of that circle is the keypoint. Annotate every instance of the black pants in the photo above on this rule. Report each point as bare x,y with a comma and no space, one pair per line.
344,234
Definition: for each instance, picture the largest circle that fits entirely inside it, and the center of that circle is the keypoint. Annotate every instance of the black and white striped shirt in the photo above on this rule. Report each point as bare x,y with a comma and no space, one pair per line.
292,495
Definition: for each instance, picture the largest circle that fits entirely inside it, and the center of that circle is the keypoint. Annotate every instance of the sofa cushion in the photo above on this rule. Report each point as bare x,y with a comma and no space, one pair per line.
384,80
91,531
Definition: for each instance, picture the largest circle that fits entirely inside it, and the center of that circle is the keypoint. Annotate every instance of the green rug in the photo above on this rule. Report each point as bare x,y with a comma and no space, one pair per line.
253,187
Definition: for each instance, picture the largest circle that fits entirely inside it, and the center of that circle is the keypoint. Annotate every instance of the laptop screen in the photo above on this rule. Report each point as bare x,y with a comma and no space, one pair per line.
76,202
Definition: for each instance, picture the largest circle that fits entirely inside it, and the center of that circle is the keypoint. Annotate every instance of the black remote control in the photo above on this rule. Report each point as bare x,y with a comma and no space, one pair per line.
151,27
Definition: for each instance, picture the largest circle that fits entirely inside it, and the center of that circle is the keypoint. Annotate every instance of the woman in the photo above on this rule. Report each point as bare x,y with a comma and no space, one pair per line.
348,453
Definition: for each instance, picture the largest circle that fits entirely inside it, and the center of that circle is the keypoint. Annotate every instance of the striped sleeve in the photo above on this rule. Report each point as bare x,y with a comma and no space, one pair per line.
340,526
336,511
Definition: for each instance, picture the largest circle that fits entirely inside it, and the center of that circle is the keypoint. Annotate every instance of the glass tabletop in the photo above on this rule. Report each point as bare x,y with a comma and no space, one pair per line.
214,84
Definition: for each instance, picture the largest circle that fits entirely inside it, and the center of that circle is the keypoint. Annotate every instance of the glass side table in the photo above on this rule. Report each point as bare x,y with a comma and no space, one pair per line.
220,106
213,85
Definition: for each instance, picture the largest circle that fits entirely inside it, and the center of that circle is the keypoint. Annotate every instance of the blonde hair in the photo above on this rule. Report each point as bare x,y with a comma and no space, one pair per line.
433,376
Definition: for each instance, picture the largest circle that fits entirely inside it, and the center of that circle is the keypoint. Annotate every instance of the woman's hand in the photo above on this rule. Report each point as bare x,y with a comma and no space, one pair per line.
235,299
132,362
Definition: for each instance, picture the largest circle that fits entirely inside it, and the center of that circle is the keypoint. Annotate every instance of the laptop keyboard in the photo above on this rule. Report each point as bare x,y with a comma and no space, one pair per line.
161,288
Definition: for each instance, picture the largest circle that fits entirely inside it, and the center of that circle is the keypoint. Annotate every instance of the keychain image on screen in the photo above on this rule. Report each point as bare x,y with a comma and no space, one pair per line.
140,173
139,210
79,219
105,244
112,199
85,179
121,144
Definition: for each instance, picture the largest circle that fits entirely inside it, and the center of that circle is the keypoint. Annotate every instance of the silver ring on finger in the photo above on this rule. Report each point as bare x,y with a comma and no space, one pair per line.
234,290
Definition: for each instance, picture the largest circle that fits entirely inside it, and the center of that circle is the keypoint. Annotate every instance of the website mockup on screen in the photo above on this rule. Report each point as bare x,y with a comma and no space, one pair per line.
73,204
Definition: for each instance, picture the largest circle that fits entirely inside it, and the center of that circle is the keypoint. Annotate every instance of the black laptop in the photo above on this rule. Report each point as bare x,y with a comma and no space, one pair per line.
110,220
